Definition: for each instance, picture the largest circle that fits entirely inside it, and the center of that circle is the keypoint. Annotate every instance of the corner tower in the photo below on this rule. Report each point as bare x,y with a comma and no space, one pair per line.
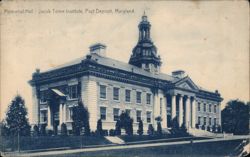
144,54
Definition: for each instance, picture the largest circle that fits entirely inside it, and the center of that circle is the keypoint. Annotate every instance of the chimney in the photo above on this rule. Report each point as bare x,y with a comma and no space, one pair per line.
178,73
98,48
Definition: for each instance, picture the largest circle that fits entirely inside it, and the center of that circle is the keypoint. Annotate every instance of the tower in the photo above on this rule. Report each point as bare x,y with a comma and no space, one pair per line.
144,54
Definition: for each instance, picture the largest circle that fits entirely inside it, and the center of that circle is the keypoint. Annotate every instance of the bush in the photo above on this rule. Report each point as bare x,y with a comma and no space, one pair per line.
219,129
150,130
214,128
208,128
43,130
117,128
50,132
197,126
140,128
112,132
87,129
35,130
105,133
99,130
203,127
64,130
159,129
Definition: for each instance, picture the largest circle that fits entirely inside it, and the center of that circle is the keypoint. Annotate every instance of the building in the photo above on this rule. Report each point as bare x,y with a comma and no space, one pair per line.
108,87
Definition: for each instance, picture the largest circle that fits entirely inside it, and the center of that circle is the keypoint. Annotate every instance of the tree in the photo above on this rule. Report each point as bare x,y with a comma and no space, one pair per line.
64,130
80,118
118,127
16,117
99,130
35,130
235,117
140,128
151,130
126,123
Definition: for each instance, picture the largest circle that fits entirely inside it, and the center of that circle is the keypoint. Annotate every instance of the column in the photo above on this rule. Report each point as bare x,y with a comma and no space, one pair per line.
193,113
60,115
64,113
181,101
173,106
187,112
49,118
164,112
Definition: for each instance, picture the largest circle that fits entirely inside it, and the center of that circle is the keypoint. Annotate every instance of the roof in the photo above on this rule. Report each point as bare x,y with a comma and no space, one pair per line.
118,65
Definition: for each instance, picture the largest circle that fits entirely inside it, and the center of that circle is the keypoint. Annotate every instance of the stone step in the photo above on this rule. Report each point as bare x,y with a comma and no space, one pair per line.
115,139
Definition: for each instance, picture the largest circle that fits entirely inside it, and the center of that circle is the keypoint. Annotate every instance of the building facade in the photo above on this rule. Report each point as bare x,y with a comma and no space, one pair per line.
108,87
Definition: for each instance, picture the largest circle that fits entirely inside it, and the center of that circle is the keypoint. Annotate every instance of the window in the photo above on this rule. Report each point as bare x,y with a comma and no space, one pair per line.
210,121
148,98
43,96
103,113
128,111
116,93
199,106
103,92
73,92
148,117
44,116
116,114
205,108
214,121
210,108
199,120
127,95
160,106
138,97
215,109
69,113
138,116
205,121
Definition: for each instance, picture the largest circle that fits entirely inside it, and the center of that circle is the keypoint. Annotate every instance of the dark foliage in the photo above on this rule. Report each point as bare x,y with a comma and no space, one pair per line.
16,117
178,131
64,130
112,132
126,123
140,128
36,130
50,132
80,119
118,127
235,117
5,131
159,129
150,130
43,130
197,126
99,130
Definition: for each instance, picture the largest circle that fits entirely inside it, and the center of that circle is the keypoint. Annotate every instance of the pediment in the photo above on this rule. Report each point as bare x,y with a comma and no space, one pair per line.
186,83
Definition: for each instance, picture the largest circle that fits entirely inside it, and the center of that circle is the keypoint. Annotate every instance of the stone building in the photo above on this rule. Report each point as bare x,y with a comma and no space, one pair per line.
108,87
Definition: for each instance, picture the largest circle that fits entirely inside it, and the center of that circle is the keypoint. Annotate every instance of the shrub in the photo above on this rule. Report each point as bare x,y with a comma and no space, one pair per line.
140,128
87,129
214,128
208,128
203,127
50,132
35,130
117,128
99,130
219,129
197,126
112,132
159,129
43,130
150,130
64,130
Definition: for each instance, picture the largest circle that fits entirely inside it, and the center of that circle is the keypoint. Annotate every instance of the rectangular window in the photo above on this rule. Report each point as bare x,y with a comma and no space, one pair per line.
210,108
138,116
138,97
43,96
128,111
214,121
103,113
73,92
116,114
148,98
161,106
44,116
127,95
210,121
199,106
148,117
116,93
199,120
205,121
69,113
103,92
214,108
205,108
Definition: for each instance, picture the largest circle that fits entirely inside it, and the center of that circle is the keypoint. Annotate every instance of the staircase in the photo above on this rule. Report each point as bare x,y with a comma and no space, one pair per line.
115,139
198,132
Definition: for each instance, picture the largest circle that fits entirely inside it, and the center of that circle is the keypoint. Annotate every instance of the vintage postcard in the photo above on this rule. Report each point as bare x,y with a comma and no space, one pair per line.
124,78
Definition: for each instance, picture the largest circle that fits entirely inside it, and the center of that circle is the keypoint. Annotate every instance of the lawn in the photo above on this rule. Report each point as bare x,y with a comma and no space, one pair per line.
220,148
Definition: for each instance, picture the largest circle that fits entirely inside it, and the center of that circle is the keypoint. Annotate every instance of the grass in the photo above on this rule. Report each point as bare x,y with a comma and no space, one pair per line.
220,148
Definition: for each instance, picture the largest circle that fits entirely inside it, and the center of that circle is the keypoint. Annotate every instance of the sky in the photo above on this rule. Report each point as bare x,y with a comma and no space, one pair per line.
208,40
